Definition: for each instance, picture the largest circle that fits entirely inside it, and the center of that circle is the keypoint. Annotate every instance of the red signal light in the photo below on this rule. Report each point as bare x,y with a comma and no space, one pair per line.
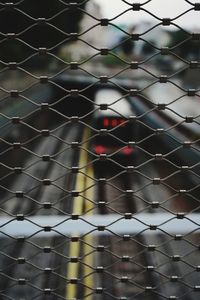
105,122
99,149
127,151
113,122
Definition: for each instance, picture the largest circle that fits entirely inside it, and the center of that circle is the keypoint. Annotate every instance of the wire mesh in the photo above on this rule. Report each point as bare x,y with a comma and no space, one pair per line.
99,147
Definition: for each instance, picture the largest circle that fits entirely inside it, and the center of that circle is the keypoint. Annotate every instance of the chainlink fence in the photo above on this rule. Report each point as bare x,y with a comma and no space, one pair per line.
99,147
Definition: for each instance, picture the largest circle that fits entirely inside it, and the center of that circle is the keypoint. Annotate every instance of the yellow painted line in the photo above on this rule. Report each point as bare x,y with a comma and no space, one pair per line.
88,259
74,251
78,205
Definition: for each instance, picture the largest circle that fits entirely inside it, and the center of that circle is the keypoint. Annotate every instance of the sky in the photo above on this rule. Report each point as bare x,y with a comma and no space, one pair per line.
161,8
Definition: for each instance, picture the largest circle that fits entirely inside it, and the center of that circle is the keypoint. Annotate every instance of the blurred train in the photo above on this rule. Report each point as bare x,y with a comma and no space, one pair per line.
111,122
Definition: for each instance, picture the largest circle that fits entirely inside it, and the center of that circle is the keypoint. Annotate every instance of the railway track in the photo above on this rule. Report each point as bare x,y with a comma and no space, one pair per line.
122,266
147,266
32,265
51,161
124,258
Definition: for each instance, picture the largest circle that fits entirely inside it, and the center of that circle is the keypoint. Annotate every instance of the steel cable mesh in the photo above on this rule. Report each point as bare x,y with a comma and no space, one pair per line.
88,212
